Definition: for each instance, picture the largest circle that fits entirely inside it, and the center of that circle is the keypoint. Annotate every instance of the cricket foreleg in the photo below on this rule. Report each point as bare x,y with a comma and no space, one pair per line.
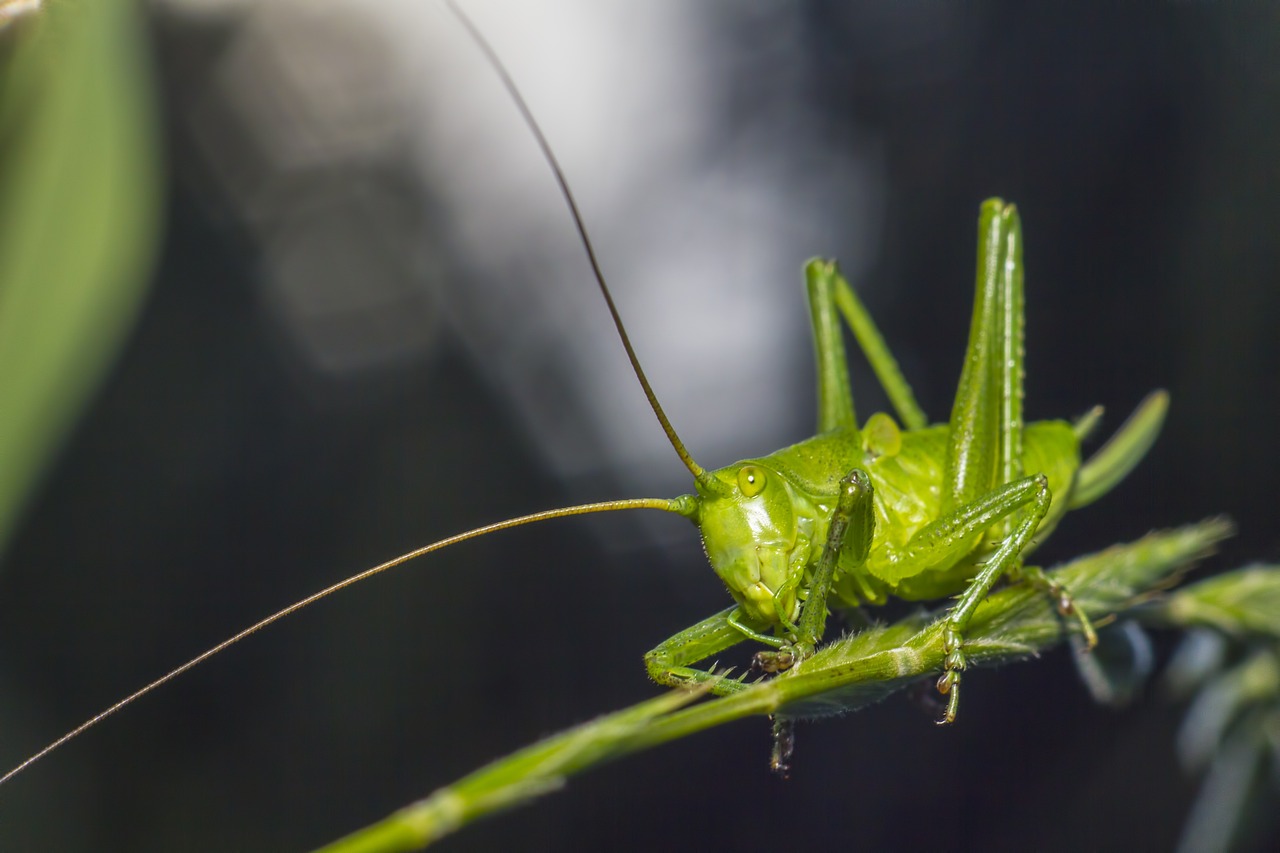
850,533
669,663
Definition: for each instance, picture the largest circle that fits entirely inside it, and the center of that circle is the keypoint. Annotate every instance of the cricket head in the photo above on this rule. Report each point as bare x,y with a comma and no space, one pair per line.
756,540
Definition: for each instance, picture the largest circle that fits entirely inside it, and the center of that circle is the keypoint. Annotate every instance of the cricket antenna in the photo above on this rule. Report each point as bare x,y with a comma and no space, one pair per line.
686,506
699,473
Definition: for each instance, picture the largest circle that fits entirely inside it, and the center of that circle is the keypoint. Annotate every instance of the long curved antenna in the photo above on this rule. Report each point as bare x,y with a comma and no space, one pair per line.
699,473
683,506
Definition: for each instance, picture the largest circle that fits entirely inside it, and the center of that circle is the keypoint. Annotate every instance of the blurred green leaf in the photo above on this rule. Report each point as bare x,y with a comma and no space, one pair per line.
79,201
1229,667
1222,701
1244,603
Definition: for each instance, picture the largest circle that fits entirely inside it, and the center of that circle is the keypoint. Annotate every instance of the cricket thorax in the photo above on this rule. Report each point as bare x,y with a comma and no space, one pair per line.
758,531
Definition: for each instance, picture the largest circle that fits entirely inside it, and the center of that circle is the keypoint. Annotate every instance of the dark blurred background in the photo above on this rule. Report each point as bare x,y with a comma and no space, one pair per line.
370,326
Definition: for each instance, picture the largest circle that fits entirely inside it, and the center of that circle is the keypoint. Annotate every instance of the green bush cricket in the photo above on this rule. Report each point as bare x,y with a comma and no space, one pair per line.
865,513
789,530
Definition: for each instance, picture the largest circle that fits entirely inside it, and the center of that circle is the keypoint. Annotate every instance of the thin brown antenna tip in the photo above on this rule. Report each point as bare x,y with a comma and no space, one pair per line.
491,56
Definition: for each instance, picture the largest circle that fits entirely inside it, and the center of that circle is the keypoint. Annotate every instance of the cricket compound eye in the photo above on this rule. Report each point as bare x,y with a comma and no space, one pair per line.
751,480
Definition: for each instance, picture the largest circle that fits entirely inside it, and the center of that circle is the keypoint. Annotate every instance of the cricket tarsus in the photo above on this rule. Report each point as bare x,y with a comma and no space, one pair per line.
784,746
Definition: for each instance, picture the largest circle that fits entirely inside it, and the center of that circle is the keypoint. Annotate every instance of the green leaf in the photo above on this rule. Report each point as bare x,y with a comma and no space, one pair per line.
79,200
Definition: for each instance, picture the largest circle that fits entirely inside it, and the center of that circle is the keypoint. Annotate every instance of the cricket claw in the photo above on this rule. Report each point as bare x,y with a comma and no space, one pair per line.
1067,608
952,668
1065,604
953,702
771,663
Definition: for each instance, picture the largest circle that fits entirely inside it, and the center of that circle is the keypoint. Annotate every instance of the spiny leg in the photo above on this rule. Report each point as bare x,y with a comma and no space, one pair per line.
950,537
835,394
852,528
985,436
669,662
985,441
1005,558
850,532
1008,372
947,539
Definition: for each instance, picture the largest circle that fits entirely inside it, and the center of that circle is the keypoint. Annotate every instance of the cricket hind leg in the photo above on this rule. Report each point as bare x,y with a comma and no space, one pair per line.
830,297
949,538
985,441
1005,559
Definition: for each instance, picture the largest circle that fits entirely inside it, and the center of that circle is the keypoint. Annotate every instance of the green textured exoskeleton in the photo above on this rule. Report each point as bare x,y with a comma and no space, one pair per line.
855,515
